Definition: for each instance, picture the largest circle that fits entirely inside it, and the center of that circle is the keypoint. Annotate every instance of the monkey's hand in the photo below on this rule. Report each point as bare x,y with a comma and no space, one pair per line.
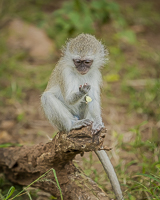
84,88
96,127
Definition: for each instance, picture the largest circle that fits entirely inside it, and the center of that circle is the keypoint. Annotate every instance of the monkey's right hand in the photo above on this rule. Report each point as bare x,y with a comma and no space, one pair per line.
84,88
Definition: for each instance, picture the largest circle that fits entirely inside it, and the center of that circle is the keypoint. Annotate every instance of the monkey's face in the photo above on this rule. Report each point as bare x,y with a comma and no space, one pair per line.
83,66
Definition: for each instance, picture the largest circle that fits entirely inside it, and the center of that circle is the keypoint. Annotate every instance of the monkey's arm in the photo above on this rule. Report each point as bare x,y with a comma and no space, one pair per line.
75,97
58,113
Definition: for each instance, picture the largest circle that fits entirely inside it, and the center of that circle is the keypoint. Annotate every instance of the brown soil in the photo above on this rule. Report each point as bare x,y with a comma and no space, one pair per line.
116,118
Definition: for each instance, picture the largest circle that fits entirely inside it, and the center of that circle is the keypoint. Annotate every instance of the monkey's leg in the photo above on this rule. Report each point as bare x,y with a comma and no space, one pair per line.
95,113
59,115
83,109
103,157
56,111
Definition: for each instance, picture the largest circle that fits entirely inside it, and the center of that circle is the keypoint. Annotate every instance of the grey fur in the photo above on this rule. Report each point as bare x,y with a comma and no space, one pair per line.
63,100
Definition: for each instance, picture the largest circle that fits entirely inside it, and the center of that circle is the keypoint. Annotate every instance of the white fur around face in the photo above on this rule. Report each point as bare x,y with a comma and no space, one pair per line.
65,84
99,59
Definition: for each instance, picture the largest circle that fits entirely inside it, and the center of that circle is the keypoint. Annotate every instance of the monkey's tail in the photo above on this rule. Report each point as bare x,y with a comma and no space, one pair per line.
103,157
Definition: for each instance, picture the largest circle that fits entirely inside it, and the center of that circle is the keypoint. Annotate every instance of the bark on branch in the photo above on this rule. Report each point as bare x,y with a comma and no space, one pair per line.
25,164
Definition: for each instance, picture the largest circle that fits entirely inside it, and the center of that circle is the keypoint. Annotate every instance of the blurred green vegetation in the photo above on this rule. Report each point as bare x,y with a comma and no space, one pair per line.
131,79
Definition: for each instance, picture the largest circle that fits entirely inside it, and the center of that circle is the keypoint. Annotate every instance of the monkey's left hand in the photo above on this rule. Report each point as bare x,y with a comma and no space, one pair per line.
84,88
96,127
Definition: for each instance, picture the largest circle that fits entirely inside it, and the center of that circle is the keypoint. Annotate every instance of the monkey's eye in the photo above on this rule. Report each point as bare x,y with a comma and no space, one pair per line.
77,62
88,62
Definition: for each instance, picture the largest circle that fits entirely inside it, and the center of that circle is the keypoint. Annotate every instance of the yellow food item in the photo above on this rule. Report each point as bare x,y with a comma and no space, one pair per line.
88,99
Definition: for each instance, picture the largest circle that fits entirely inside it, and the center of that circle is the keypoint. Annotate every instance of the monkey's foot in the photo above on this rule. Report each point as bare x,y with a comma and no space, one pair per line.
80,123
96,127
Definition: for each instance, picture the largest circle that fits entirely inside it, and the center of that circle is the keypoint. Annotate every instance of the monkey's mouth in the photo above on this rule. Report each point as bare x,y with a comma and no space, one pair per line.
83,69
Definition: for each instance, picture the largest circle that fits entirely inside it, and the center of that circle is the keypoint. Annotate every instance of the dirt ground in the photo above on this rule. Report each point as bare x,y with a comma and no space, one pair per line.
35,128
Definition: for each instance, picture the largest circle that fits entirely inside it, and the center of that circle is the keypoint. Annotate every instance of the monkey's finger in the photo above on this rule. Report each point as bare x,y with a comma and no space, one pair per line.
96,131
93,132
80,88
88,87
88,123
96,128
88,120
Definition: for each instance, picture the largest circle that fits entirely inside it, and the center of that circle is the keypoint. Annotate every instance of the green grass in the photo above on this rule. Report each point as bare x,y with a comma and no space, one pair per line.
147,183
131,79
12,189
142,184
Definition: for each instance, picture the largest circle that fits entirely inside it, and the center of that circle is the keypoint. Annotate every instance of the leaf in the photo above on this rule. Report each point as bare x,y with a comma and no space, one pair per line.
150,176
9,145
29,195
10,192
54,172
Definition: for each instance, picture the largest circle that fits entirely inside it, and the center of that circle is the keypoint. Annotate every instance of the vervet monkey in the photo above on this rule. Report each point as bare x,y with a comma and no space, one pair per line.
75,78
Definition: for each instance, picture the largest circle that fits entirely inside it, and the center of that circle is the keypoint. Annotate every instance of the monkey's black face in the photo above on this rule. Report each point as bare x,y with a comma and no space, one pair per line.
83,66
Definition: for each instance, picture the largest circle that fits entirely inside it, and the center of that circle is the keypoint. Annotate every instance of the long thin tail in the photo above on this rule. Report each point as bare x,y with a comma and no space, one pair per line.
103,157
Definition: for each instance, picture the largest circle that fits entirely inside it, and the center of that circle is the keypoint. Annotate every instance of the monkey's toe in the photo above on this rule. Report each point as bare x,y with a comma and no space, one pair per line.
87,122
95,132
96,128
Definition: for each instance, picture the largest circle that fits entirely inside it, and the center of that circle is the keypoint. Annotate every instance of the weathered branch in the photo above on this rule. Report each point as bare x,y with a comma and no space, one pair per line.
23,165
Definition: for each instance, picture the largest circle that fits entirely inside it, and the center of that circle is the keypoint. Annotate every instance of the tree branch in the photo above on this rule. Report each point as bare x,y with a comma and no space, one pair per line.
24,164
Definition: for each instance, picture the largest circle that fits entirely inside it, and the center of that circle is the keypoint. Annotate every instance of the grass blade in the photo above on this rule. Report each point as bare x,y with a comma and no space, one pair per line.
10,192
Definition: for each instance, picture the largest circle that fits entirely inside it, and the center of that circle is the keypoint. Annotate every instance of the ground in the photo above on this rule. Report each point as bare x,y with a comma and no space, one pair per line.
130,94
